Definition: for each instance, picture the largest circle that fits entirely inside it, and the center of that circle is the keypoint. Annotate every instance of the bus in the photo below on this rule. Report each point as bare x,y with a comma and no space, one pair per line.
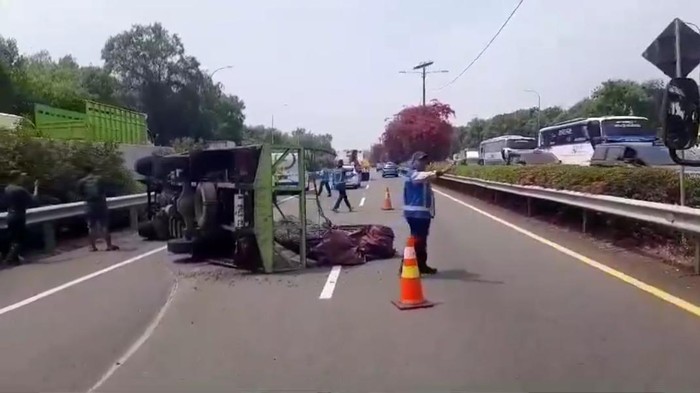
572,141
496,151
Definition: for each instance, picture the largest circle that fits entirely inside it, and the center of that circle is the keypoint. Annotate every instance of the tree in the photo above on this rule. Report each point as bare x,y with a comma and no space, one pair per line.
425,128
612,97
162,81
620,98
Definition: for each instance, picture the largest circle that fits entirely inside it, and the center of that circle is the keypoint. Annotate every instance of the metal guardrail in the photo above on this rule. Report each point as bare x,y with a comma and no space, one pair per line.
682,218
47,215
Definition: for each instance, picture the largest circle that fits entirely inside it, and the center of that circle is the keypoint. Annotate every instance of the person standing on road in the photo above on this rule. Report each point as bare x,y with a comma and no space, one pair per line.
325,180
91,187
419,206
339,185
18,201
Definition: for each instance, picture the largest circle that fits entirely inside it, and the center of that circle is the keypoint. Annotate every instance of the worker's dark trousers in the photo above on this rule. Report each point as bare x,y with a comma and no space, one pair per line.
320,188
17,228
420,228
342,196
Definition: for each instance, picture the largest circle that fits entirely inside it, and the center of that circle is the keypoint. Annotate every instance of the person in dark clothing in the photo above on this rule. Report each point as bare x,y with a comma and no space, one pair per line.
339,185
18,201
91,187
419,206
325,182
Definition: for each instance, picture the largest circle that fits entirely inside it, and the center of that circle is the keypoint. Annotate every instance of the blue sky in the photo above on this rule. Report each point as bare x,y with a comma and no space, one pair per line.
335,63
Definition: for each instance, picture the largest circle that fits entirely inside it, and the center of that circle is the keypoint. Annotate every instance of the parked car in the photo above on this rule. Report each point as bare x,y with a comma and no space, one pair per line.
390,169
352,177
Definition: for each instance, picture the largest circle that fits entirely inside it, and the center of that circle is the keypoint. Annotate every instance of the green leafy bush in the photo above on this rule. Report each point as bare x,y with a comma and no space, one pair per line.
58,165
649,184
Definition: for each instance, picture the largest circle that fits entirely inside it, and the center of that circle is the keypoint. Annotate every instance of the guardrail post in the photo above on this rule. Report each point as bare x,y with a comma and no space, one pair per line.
134,218
528,201
49,236
584,223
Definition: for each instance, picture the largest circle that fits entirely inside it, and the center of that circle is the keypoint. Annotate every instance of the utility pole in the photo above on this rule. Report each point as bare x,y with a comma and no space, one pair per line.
423,72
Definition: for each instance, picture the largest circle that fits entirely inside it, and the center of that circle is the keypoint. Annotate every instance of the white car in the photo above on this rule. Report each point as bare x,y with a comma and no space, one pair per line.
352,178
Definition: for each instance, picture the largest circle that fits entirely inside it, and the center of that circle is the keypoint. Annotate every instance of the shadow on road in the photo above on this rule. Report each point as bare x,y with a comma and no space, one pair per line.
461,275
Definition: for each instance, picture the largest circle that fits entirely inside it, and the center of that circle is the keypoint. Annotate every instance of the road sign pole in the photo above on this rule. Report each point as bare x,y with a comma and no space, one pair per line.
679,74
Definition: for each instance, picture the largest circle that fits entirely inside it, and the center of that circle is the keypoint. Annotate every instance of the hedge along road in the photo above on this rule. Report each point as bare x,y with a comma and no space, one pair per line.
513,314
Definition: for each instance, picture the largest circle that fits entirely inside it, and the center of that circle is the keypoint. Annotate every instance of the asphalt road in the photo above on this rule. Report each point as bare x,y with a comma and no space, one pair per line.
514,314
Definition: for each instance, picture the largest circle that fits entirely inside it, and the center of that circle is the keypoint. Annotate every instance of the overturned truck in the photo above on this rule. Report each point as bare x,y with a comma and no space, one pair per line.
220,204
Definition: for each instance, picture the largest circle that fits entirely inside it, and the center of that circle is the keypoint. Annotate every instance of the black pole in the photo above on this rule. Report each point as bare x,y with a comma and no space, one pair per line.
424,86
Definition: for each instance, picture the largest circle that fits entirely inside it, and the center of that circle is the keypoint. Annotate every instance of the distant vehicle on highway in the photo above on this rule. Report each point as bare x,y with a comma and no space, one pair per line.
573,141
498,150
352,177
632,154
390,170
534,157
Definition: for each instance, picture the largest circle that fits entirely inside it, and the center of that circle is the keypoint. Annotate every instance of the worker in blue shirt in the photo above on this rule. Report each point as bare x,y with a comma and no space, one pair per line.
419,206
325,182
339,185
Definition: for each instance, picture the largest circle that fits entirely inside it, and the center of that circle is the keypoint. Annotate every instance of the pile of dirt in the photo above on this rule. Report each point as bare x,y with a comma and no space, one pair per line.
337,245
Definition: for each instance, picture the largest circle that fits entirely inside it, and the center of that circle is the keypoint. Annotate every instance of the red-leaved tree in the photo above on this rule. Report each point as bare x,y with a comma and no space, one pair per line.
425,128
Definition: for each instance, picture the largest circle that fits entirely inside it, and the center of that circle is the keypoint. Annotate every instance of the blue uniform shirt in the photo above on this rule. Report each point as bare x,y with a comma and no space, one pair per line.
418,198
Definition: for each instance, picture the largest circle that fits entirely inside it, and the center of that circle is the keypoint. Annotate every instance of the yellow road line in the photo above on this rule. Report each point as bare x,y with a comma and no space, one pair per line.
659,293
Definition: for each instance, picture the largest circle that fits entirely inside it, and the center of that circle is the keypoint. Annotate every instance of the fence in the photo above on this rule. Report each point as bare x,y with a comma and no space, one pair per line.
46,216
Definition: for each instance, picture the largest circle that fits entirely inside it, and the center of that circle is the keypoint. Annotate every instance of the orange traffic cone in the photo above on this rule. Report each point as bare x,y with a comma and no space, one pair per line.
387,201
411,287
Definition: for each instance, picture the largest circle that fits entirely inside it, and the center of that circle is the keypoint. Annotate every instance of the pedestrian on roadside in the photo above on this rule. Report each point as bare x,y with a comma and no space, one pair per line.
18,201
339,185
92,189
325,182
419,206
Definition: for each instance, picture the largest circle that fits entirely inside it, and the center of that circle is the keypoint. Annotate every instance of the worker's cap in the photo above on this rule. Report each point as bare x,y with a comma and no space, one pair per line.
419,155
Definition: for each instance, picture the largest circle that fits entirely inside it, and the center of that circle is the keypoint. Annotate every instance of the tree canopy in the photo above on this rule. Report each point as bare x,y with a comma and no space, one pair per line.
611,98
425,128
147,69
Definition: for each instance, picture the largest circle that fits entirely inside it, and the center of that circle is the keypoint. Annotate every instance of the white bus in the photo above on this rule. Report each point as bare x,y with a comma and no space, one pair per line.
572,141
495,151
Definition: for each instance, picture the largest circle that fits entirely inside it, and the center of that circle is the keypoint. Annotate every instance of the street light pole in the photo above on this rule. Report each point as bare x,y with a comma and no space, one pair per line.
423,72
211,74
539,107
272,126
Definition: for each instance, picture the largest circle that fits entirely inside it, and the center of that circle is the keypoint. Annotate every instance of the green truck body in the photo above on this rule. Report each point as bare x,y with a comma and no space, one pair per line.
99,123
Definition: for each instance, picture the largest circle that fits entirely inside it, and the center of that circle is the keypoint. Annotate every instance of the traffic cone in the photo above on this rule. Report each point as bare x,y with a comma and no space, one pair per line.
387,201
411,287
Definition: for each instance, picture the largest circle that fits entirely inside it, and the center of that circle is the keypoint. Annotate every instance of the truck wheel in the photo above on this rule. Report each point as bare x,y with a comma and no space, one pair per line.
180,246
205,206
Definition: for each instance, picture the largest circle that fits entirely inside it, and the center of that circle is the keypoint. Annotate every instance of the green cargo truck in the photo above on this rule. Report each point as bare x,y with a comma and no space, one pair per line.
98,123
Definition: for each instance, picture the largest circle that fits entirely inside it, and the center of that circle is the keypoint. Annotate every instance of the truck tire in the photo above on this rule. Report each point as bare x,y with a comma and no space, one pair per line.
205,206
144,166
180,246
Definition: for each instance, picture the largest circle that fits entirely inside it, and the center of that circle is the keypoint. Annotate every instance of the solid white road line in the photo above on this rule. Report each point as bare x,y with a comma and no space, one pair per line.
77,281
362,201
328,289
650,289
138,343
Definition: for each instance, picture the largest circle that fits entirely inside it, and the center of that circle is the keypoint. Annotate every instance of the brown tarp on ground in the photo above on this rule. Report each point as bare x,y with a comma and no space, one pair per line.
354,245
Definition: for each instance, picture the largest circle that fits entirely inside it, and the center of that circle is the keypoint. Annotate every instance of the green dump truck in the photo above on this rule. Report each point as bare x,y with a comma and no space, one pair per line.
98,123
